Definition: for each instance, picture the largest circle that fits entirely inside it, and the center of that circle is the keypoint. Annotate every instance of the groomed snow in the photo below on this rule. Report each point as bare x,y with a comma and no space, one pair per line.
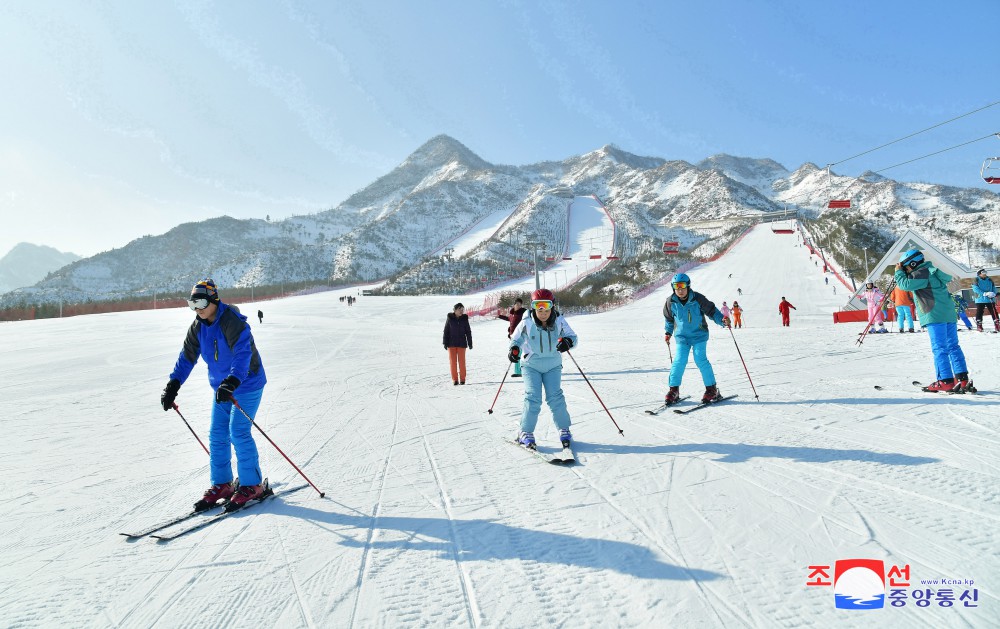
709,519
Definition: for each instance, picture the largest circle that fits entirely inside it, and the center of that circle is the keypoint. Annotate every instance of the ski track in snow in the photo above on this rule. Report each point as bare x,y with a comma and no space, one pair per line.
429,520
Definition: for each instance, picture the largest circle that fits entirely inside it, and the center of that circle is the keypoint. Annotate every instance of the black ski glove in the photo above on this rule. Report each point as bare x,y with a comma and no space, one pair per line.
514,354
170,394
564,344
225,391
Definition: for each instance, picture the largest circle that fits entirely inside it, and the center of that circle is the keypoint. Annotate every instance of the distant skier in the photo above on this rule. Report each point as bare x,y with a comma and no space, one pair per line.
903,302
737,315
874,297
986,294
220,335
936,312
739,291
785,308
684,313
730,276
457,337
826,280
513,317
960,307
537,342
260,315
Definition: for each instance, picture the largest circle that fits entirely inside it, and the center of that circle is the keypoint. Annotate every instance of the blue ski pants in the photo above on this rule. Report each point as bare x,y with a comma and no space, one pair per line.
904,315
231,430
948,357
534,382
965,319
700,359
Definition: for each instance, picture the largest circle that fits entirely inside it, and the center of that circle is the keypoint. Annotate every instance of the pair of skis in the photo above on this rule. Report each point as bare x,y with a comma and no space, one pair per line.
163,532
561,457
685,411
971,389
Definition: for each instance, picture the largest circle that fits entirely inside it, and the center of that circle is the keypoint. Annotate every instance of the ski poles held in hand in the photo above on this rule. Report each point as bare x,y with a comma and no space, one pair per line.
744,363
192,430
620,431
490,411
237,405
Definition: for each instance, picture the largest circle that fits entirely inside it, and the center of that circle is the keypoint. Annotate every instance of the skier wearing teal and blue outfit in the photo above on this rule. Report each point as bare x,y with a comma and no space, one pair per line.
537,342
986,296
960,306
936,311
221,336
685,313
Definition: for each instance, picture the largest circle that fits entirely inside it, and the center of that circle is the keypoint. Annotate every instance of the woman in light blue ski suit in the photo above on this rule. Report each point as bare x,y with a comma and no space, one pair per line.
684,314
537,342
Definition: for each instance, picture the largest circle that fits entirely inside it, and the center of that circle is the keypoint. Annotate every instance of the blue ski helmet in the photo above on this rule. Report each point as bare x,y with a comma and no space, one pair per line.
680,278
911,258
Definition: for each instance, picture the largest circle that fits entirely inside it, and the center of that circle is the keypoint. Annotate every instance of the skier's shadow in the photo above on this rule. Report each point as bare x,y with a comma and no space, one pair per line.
741,452
485,540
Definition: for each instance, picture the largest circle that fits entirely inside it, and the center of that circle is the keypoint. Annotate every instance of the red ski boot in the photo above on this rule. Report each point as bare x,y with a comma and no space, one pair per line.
215,493
247,493
944,385
711,395
672,396
962,384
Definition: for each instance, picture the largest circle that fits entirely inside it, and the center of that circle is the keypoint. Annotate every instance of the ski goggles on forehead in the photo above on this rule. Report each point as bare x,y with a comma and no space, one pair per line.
680,284
198,304
541,304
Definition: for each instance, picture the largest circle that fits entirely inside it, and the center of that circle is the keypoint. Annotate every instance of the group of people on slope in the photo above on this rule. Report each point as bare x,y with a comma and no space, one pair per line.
735,313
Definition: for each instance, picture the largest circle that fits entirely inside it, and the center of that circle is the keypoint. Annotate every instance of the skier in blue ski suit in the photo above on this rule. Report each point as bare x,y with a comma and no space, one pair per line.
538,342
221,336
684,313
986,295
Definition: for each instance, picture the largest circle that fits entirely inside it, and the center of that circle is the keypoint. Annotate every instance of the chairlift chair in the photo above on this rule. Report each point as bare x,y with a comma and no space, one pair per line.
990,172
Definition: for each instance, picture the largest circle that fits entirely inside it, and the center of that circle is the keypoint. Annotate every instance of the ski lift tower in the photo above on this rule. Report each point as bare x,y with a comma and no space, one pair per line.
535,244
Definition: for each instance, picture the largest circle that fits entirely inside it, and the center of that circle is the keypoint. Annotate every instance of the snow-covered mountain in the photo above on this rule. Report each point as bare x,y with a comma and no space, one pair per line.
27,264
400,223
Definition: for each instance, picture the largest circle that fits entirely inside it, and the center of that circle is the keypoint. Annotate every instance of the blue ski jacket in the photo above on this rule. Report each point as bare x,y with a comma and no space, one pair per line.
685,320
226,345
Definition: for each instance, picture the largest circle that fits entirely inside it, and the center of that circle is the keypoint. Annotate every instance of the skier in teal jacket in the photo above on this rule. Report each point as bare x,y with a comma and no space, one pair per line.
936,311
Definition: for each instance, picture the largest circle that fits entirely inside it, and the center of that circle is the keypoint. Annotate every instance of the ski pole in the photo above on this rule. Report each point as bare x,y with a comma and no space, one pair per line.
671,352
620,431
192,430
237,405
490,411
744,364
885,299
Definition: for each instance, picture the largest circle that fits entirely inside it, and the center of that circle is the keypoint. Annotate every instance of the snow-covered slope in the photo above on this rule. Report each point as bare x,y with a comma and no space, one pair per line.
430,519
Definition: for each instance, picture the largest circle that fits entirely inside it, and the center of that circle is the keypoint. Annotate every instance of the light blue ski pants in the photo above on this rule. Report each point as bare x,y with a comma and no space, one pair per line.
904,315
534,382
231,430
700,359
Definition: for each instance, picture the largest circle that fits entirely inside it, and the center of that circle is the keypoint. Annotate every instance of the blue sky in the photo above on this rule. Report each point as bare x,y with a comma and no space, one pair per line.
120,119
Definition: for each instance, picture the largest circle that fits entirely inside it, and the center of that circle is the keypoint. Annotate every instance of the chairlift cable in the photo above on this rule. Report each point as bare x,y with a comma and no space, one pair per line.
936,152
916,133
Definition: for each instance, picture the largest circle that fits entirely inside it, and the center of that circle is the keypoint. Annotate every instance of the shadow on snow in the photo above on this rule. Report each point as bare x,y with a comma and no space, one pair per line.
486,540
739,453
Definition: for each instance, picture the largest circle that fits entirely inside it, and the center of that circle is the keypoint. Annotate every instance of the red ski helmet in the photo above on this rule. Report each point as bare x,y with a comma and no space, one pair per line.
542,294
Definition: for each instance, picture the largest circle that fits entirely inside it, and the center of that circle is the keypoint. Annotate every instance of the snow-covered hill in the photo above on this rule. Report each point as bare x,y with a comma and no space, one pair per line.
398,226
430,519
27,264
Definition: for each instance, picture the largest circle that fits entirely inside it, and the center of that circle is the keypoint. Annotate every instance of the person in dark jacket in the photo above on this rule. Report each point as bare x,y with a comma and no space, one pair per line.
513,317
457,337
260,315
221,336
